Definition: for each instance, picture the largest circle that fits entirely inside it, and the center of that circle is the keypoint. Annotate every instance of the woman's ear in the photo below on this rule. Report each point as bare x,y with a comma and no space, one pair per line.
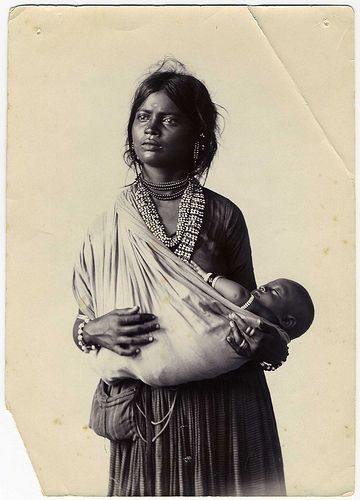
288,321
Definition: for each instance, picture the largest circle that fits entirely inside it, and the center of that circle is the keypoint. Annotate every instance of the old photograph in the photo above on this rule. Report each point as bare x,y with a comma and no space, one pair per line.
181,249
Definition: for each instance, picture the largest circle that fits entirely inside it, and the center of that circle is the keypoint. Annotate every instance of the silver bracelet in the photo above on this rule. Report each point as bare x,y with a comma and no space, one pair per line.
215,280
248,302
80,336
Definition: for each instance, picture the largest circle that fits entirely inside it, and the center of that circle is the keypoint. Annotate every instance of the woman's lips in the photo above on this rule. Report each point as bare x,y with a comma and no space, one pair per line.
150,145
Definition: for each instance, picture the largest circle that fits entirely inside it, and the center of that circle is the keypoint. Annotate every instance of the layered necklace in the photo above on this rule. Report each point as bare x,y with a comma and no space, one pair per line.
191,212
177,188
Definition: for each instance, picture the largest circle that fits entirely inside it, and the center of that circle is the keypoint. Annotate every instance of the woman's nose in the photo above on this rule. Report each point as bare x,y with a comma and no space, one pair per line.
152,127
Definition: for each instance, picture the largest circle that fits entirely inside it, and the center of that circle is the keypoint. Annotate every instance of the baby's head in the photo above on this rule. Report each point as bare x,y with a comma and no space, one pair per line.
289,302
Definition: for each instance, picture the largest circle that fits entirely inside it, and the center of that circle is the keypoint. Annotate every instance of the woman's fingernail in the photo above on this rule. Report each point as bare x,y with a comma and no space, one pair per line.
228,339
153,316
232,315
157,326
137,351
150,339
232,324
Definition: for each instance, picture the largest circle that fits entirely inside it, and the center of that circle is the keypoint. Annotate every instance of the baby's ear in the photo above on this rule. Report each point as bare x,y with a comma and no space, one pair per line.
288,322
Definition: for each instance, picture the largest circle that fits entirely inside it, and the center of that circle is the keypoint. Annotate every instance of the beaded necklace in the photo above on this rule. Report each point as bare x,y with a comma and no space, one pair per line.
167,185
177,188
191,212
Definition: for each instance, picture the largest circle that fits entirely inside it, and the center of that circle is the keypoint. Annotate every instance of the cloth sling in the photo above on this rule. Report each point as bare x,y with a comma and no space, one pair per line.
121,265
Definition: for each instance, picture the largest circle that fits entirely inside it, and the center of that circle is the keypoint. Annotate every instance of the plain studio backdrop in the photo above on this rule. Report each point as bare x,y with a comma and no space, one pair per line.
285,77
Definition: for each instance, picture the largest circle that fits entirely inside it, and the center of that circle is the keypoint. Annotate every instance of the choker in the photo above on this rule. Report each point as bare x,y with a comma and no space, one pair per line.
165,186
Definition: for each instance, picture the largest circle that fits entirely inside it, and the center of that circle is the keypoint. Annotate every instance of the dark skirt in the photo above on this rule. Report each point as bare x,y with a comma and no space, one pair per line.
215,437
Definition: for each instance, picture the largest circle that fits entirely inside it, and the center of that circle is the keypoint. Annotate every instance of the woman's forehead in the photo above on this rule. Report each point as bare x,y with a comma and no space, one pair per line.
161,102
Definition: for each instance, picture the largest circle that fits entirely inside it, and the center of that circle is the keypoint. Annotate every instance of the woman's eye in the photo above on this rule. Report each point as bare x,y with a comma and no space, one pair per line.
170,120
142,117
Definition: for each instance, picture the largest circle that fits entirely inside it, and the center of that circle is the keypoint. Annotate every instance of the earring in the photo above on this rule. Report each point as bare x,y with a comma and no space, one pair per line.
202,138
196,151
199,144
132,152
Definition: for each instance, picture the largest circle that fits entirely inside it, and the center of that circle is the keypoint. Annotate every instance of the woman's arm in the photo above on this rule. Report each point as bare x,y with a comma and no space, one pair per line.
122,331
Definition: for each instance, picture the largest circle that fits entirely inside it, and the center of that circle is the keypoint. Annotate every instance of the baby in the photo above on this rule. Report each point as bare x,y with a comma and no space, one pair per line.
283,302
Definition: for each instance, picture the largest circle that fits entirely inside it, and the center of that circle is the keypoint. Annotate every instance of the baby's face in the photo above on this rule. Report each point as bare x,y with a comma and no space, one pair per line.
275,295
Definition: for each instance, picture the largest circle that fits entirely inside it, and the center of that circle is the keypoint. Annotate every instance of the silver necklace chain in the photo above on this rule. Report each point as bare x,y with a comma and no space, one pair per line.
191,212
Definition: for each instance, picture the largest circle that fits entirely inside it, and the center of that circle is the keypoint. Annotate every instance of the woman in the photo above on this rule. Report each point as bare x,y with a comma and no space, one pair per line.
216,436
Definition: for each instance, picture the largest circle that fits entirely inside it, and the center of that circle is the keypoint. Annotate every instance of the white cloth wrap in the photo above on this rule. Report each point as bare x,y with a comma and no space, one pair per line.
121,265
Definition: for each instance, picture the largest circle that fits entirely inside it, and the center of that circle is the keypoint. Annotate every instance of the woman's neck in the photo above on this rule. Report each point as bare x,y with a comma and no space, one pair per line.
158,176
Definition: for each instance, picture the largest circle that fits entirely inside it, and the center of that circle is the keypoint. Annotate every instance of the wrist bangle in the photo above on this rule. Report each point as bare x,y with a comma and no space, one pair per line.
80,335
207,277
248,302
213,283
210,278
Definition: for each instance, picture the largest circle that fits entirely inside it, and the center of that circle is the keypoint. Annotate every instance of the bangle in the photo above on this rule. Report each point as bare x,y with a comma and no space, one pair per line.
80,335
248,302
213,283
210,278
207,277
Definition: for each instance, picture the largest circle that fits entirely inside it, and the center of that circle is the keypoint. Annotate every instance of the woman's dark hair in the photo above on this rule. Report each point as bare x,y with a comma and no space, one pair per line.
192,98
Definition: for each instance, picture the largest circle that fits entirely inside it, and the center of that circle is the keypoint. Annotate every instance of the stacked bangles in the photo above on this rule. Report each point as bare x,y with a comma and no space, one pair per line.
211,278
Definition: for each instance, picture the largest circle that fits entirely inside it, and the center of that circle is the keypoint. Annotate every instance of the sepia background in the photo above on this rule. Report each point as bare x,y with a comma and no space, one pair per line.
285,78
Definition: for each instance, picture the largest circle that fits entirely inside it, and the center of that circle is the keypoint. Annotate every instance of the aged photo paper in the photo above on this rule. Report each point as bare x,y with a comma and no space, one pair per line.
285,77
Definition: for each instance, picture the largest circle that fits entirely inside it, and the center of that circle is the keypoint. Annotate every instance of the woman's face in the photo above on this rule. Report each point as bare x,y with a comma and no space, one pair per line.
163,136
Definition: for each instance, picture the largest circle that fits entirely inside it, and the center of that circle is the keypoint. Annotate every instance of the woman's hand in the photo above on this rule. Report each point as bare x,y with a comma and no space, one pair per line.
257,340
121,330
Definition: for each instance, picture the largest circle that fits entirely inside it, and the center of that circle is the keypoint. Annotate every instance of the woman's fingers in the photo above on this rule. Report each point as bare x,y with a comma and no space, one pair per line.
237,341
243,324
138,329
126,351
134,340
236,332
135,319
263,341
